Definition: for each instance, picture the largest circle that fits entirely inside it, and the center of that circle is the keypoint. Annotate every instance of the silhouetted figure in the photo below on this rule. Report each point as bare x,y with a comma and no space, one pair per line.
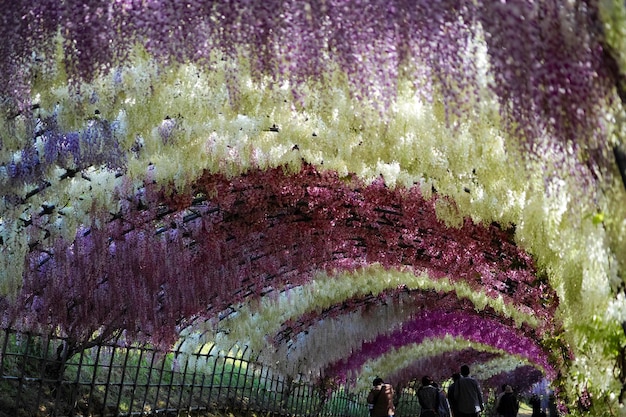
380,399
455,377
444,404
498,397
535,403
554,412
508,405
428,397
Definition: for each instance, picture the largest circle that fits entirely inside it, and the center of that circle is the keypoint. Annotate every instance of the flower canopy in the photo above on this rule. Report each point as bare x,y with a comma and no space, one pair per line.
351,188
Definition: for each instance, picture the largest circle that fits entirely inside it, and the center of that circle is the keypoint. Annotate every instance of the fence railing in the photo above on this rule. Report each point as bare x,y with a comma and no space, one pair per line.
47,376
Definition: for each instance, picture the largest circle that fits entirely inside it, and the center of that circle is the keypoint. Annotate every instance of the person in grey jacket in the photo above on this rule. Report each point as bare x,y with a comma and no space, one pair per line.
467,397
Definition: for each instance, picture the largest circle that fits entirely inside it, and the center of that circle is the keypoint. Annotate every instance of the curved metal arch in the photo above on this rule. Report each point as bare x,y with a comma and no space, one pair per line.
295,348
437,324
284,322
522,378
349,325
413,301
243,252
440,367
435,357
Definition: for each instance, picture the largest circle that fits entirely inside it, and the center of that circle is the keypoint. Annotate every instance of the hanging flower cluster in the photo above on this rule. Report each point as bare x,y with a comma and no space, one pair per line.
249,146
246,239
438,324
432,44
440,366
518,378
375,320
324,296
430,352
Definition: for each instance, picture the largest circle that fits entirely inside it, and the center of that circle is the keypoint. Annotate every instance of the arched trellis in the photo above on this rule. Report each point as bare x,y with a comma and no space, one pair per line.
438,323
441,366
301,223
439,359
302,346
106,132
400,331
225,215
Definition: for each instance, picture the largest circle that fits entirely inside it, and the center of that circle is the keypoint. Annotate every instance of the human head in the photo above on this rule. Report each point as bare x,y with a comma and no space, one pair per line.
378,381
426,380
508,389
465,371
456,376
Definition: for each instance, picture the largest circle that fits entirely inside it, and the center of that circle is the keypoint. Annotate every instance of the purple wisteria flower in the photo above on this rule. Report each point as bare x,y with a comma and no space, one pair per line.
546,58
439,323
230,251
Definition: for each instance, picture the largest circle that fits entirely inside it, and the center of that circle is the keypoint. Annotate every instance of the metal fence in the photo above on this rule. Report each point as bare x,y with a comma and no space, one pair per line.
47,376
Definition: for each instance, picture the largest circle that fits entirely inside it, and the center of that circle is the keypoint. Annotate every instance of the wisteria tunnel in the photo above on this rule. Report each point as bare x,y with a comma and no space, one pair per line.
343,189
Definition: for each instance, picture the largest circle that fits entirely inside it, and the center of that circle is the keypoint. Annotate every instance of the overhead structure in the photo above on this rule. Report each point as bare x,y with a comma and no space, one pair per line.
348,188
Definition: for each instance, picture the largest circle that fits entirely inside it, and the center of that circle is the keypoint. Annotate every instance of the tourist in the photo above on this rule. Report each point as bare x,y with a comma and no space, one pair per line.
508,405
535,403
498,397
428,397
468,398
451,400
380,399
444,404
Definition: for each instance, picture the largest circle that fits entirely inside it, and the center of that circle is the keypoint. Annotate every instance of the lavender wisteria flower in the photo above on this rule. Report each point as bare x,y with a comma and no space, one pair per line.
556,44
249,146
256,240
441,323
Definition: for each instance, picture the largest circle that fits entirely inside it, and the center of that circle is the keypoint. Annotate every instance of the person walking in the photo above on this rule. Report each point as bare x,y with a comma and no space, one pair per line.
508,405
468,397
380,399
451,400
444,404
428,397
535,403
498,398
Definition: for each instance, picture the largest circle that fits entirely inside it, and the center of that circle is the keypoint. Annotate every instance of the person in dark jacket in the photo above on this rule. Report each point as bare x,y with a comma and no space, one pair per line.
508,406
455,377
535,403
444,404
498,398
428,397
380,399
